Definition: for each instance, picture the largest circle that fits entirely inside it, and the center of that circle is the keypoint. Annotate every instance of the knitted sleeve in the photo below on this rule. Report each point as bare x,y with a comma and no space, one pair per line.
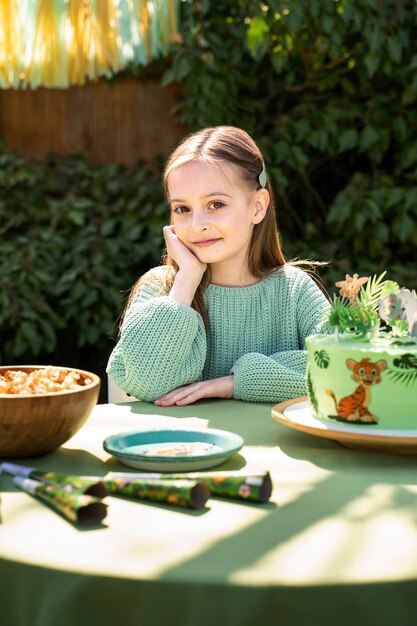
281,376
162,344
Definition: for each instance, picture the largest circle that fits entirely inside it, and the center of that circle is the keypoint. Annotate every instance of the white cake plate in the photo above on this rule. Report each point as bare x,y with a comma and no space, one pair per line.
297,414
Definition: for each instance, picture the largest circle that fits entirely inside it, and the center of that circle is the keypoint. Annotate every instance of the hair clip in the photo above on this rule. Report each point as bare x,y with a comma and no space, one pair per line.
263,177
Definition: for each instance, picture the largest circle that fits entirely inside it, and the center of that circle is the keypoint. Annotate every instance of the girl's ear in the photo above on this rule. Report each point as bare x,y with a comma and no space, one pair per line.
261,204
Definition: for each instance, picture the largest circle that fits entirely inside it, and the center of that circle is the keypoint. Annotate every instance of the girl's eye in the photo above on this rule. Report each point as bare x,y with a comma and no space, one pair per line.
180,209
216,204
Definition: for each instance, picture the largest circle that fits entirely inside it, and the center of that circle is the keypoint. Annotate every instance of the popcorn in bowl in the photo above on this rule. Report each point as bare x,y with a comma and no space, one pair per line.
43,406
39,381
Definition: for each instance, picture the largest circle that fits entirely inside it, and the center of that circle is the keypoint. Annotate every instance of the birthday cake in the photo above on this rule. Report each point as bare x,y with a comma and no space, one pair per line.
365,372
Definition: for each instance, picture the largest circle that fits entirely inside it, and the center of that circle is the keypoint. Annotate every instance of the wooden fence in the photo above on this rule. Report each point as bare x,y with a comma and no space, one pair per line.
118,122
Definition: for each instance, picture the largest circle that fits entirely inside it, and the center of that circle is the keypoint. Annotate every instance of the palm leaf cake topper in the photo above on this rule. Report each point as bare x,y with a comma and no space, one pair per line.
364,302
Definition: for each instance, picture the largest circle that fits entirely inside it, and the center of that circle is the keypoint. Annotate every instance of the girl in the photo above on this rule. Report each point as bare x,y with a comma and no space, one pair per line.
226,316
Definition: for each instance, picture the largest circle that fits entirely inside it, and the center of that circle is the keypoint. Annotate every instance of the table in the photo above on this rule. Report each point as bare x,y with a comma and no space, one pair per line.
337,543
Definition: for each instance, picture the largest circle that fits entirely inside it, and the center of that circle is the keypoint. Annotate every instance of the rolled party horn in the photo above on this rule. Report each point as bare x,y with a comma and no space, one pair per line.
184,493
88,485
256,487
76,507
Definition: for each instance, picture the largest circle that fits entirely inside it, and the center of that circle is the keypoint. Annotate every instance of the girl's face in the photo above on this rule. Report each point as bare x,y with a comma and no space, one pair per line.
214,213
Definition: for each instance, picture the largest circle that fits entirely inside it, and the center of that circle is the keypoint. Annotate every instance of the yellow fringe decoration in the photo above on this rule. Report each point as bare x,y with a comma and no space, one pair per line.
58,43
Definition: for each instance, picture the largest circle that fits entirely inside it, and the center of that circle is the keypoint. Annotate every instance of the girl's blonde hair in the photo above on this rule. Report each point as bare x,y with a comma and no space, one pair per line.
233,146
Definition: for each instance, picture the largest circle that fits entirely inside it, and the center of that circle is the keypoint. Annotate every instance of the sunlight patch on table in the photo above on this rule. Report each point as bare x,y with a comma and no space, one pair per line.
131,532
346,547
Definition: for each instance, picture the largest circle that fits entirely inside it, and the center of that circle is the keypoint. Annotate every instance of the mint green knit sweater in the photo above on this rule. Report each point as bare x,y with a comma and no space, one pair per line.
257,333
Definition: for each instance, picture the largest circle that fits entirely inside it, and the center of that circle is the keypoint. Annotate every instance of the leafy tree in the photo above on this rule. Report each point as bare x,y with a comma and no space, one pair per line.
328,88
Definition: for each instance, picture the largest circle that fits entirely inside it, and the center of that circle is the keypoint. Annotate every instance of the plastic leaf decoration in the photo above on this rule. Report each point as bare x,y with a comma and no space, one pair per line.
375,290
359,323
338,309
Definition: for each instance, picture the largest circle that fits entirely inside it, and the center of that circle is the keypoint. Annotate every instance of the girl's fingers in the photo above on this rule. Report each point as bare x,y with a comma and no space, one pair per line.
177,394
217,387
177,250
193,397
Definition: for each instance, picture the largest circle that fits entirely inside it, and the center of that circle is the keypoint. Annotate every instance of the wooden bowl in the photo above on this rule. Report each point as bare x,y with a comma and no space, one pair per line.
35,424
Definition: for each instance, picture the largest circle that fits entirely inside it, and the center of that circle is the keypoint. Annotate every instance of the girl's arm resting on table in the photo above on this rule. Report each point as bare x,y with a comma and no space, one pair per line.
163,340
281,376
162,346
255,378
275,378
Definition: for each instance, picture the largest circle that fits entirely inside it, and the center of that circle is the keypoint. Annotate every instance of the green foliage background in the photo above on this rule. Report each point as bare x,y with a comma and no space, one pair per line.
73,240
328,88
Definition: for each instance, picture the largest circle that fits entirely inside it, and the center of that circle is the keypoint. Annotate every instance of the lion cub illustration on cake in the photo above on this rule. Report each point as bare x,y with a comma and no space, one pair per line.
354,408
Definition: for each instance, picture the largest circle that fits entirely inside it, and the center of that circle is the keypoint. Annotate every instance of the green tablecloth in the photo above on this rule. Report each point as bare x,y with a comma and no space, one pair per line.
337,543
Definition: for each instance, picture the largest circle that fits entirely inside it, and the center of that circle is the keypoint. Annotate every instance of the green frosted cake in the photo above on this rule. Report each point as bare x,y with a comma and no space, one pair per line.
366,372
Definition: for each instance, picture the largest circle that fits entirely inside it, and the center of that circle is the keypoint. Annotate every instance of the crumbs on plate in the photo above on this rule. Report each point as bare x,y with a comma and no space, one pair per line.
176,449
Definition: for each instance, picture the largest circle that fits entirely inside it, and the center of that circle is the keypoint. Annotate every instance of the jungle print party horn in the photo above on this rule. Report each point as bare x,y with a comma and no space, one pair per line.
88,485
256,486
76,507
184,493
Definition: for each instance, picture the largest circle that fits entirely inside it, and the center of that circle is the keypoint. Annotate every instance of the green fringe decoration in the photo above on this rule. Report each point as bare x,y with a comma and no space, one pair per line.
55,43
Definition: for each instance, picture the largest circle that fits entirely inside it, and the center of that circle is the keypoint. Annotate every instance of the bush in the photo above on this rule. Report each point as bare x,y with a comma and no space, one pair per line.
74,239
328,89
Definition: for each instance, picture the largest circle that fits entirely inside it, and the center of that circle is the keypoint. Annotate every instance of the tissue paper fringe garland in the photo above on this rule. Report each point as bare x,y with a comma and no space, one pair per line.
57,43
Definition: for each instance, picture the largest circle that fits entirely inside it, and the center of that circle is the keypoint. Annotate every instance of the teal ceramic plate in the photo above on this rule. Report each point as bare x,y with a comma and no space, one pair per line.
173,449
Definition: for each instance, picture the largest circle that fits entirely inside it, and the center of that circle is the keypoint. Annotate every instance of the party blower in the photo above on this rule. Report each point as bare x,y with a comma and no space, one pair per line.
255,487
87,485
181,492
82,509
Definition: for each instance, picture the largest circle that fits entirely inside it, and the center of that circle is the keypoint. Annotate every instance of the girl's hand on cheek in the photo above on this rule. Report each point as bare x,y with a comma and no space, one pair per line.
178,251
214,388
